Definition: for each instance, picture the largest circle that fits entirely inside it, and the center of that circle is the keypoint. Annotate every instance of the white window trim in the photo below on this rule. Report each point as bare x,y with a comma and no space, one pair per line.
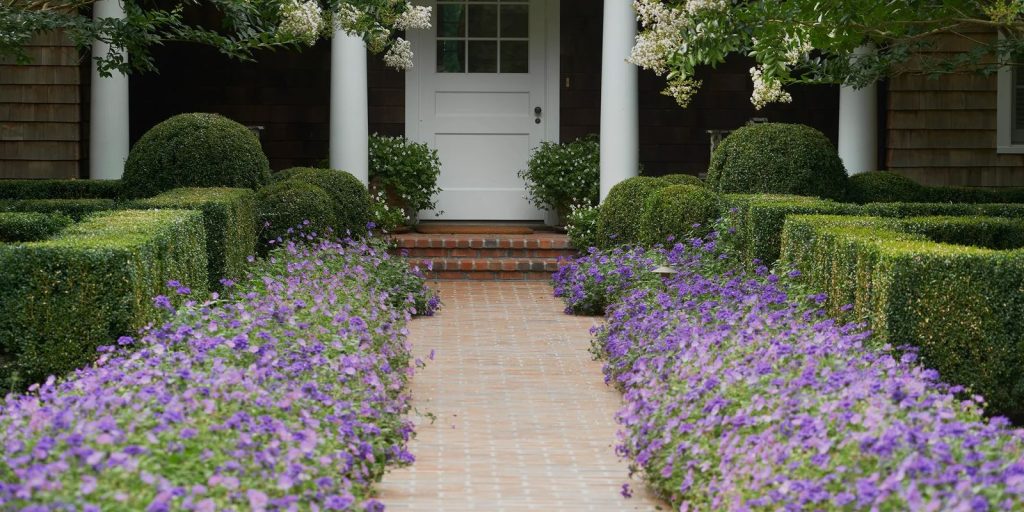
1004,113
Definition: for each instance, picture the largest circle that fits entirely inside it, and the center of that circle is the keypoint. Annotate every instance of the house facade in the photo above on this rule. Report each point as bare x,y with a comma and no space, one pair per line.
491,80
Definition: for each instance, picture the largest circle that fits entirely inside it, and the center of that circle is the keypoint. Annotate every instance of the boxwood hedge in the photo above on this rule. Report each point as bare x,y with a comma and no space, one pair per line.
678,211
30,226
74,208
231,221
60,189
960,305
63,297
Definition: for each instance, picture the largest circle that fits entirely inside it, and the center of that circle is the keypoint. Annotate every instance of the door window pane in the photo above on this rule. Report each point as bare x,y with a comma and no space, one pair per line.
451,20
451,56
483,56
483,20
515,20
515,57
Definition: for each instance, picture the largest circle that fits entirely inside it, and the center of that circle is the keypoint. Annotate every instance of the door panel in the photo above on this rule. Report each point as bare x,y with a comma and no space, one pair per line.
480,75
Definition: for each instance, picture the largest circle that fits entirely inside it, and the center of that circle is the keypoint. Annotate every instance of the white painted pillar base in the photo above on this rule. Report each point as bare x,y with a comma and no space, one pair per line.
858,125
108,108
620,114
350,125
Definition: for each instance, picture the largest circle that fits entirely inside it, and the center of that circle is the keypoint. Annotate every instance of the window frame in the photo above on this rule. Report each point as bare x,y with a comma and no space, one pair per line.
1006,90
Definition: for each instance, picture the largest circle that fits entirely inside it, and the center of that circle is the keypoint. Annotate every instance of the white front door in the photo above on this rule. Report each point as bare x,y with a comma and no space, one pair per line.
478,94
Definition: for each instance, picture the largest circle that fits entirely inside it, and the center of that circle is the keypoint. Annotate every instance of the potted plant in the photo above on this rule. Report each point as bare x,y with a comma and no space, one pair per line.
560,176
405,173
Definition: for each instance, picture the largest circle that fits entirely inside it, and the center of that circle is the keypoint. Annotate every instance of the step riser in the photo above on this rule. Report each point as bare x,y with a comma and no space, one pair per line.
487,253
489,276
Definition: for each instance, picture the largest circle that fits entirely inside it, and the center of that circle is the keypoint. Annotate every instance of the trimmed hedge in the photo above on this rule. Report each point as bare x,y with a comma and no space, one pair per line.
62,298
675,210
60,189
618,222
231,222
884,187
288,204
777,158
961,306
77,209
683,179
758,220
30,227
195,150
349,197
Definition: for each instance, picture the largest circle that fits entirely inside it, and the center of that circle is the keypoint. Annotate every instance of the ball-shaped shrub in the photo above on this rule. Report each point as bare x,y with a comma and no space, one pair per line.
560,176
679,211
349,197
195,150
777,158
883,187
618,222
290,204
683,179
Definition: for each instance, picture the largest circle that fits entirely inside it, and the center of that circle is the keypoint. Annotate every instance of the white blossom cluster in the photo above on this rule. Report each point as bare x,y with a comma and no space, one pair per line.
797,48
302,20
662,36
767,89
347,17
399,55
414,17
682,89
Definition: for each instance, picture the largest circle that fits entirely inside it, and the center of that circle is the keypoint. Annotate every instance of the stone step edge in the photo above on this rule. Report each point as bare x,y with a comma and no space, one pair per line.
482,243
427,252
488,264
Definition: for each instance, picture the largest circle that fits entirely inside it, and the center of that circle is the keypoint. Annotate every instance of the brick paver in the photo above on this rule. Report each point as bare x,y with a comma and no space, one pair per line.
523,418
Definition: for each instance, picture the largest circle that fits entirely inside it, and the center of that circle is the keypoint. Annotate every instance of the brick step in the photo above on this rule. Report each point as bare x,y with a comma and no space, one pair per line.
502,269
534,241
454,253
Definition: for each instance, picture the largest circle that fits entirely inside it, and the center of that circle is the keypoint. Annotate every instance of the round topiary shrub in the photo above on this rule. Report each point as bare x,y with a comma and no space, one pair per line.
679,211
777,158
883,187
349,197
195,150
288,204
683,179
618,222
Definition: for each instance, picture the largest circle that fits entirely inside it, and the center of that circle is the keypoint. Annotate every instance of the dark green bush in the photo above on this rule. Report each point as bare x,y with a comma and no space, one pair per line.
777,158
884,187
960,195
63,297
581,227
618,222
405,171
74,208
60,189
683,179
30,227
195,150
961,306
560,176
290,204
350,199
678,211
231,222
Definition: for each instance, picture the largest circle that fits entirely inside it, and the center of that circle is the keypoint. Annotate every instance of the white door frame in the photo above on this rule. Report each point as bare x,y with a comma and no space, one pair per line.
553,31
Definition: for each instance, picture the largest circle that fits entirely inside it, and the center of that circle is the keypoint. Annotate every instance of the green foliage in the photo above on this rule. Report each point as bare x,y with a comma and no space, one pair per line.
581,226
64,297
619,218
60,189
230,220
74,208
30,227
758,220
683,179
407,171
385,217
961,306
559,176
195,150
883,187
349,198
678,211
289,204
777,158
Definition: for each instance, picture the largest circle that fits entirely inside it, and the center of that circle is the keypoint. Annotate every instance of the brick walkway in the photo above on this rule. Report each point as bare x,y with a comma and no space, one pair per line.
524,420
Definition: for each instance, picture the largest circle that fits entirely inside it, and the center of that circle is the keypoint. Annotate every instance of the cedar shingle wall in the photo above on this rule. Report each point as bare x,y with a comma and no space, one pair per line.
943,131
39,112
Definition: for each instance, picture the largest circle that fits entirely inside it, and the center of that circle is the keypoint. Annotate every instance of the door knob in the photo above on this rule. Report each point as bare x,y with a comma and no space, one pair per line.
537,111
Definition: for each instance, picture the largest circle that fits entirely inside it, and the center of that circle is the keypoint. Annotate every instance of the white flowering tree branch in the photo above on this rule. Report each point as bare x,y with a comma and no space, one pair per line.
246,27
813,41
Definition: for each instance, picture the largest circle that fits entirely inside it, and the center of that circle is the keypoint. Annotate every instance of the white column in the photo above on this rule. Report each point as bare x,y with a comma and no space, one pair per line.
858,125
108,108
350,125
620,115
